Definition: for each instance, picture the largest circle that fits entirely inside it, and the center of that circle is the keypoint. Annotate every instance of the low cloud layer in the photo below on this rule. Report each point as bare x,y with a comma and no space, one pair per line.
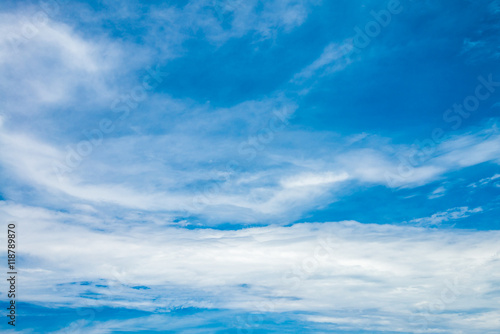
412,278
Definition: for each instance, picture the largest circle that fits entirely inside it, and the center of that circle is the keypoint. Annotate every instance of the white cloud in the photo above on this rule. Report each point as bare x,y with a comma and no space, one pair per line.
139,172
418,167
335,57
142,171
223,20
438,192
305,180
397,275
53,65
449,215
485,181
116,221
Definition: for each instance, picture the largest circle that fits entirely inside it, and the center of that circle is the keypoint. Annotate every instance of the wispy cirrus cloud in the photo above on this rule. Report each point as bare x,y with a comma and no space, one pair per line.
486,181
450,215
245,192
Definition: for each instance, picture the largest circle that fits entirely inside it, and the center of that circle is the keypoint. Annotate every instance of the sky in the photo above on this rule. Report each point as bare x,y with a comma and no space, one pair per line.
230,166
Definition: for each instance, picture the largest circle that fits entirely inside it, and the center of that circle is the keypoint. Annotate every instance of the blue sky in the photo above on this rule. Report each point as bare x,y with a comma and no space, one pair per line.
287,166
